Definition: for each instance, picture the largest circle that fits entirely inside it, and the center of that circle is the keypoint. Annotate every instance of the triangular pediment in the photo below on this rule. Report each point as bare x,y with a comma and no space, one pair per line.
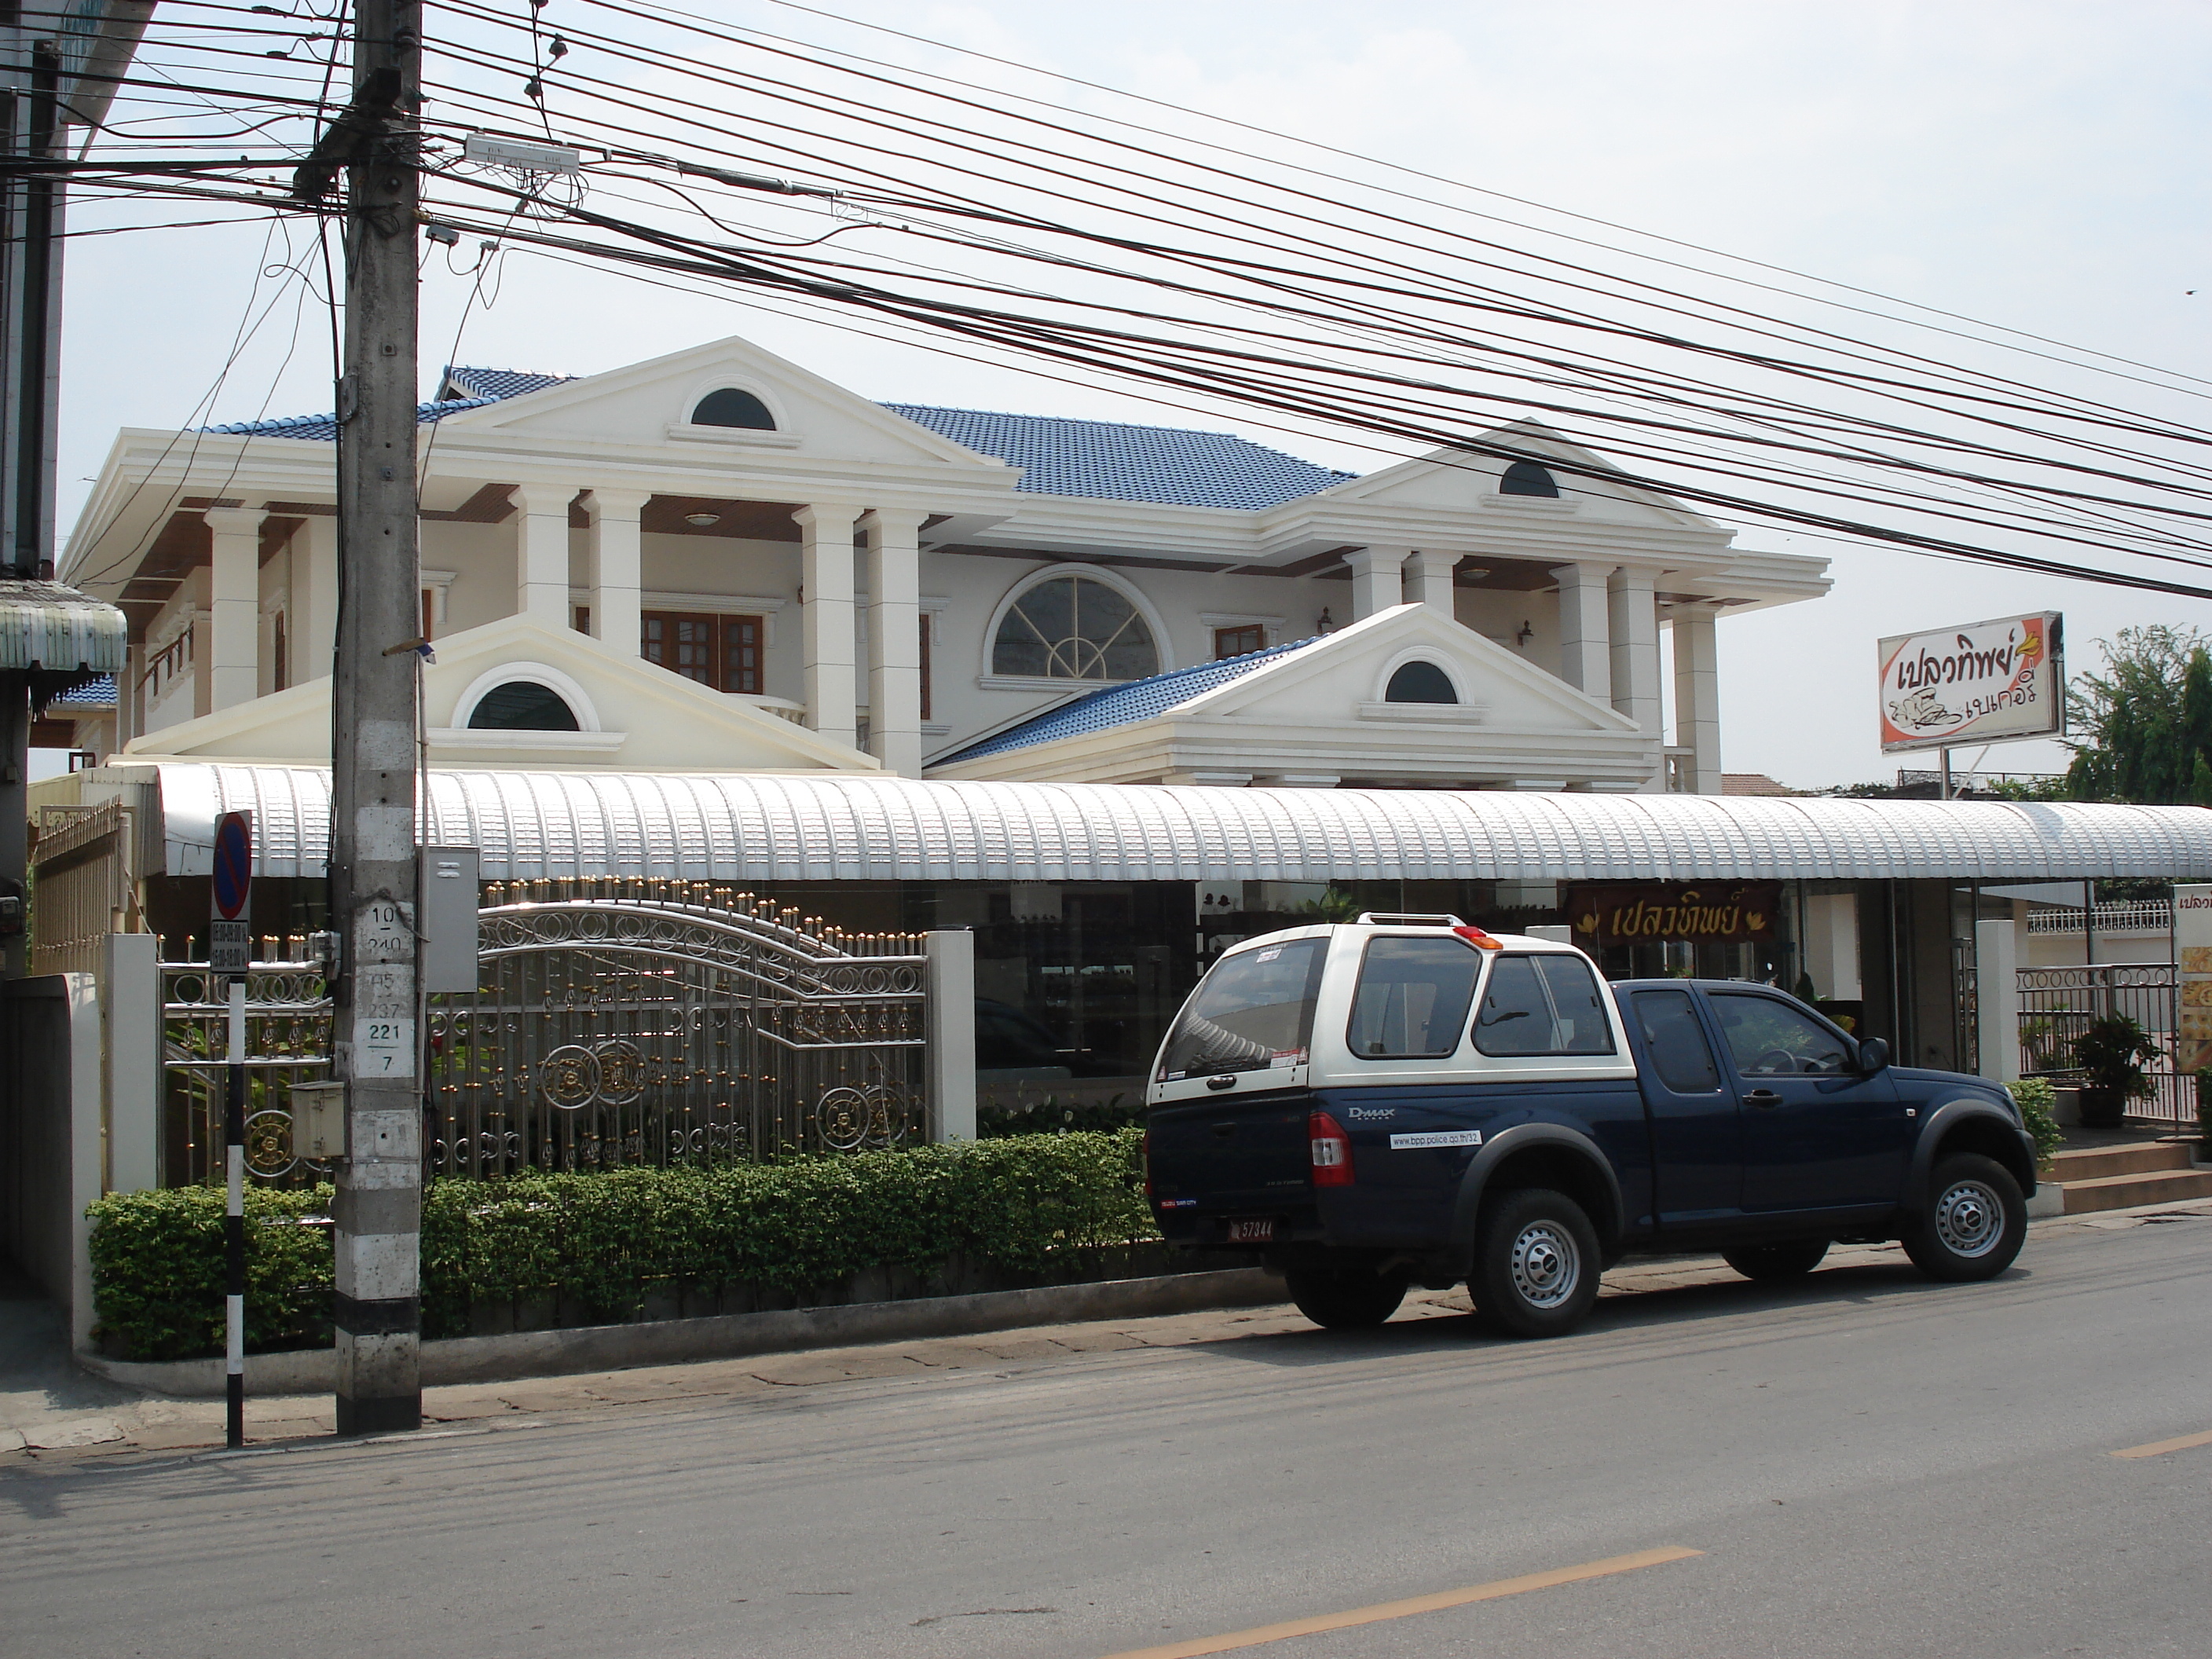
633,715
1457,480
1344,678
651,404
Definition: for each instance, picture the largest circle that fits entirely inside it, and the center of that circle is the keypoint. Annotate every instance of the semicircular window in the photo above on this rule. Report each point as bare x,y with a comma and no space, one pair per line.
730,407
522,706
1420,682
1071,628
1528,478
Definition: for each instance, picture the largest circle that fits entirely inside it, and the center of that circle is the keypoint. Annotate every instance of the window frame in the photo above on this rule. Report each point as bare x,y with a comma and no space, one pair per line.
718,624
1789,1005
1256,631
1163,645
1461,1025
1607,1012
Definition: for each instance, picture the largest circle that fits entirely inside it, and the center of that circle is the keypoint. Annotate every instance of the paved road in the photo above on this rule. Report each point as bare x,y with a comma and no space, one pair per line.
1868,1464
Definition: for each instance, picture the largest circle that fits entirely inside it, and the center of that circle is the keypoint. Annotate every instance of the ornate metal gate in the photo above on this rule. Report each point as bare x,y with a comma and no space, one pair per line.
622,1022
615,1023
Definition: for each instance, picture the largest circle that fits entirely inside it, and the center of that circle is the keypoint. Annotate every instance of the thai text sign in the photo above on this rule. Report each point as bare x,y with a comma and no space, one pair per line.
2192,944
1981,684
1700,913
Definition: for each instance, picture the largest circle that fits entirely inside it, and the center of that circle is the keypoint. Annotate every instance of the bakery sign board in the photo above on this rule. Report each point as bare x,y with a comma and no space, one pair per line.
1988,682
1692,912
2192,942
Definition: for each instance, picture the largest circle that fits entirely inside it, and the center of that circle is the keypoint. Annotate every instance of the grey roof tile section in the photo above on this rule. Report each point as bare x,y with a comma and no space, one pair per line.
1124,705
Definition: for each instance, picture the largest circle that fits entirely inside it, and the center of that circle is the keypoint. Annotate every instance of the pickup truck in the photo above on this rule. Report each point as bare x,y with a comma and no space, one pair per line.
1409,1099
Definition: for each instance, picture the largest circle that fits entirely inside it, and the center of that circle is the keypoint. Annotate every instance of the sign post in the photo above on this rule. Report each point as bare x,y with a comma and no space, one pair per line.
230,953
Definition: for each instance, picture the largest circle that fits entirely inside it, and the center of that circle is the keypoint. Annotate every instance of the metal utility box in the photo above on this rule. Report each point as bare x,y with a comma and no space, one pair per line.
318,1129
449,919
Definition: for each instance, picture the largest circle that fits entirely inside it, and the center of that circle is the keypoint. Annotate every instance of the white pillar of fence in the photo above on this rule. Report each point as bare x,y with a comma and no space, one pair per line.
1997,999
130,1019
951,979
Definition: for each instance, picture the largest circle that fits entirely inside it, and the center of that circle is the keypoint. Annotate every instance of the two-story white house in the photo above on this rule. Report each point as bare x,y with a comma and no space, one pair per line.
719,561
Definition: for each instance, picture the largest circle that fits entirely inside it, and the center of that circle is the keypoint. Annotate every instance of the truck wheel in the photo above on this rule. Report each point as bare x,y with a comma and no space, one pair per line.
1769,1261
1536,1264
1974,1222
1346,1301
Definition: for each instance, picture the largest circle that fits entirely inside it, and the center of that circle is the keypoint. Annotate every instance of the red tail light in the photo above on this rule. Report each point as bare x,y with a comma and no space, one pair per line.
1332,1150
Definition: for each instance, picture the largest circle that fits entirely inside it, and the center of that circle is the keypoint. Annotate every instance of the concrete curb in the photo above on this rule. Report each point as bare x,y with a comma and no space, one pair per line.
726,1336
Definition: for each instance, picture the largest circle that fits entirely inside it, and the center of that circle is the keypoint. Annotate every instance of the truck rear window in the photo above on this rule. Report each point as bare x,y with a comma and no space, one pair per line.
1547,1005
1253,1011
1412,997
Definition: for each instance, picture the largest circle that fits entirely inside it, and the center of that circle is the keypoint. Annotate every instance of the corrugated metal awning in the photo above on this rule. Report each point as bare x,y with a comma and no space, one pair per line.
47,628
843,827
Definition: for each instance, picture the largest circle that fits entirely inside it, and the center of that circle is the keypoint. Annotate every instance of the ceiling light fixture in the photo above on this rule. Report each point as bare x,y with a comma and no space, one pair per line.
703,519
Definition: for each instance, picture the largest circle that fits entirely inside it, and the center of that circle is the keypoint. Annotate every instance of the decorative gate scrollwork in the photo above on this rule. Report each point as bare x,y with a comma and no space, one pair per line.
661,1023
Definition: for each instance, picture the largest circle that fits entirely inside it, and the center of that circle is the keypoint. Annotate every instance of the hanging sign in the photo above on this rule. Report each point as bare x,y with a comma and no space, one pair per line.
230,895
1986,682
1698,913
2192,944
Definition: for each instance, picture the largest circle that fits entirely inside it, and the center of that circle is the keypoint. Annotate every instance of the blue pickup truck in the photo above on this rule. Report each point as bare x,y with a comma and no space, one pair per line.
1408,1100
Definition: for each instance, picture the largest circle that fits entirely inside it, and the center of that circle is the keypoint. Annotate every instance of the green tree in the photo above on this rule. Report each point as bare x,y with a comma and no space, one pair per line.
2143,729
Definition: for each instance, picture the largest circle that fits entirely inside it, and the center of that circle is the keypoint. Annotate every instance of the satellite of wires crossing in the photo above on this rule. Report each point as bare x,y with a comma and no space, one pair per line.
882,183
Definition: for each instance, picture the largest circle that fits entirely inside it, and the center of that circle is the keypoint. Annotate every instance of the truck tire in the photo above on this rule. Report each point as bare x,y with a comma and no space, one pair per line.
1536,1263
1767,1262
1345,1300
1973,1222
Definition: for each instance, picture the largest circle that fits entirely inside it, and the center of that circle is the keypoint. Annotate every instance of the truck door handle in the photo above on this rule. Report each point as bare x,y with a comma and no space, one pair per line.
1225,1080
1223,1131
1762,1097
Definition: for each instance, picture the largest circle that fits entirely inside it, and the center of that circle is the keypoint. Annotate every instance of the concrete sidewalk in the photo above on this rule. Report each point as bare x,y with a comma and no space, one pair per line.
51,1411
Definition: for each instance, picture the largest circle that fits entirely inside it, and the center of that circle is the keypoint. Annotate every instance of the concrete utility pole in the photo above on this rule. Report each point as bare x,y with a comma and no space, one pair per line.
373,853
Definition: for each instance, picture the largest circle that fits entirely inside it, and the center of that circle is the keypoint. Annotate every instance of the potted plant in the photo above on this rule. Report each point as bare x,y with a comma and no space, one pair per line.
2111,1052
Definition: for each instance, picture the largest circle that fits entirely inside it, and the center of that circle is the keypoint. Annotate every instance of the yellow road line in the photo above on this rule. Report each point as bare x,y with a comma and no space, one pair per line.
1412,1604
2159,1448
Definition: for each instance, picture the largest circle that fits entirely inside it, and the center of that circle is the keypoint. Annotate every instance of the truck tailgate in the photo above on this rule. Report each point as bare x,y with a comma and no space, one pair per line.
1232,1155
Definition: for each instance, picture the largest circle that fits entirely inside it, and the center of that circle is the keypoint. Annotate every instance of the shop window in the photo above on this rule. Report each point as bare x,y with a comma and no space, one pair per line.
722,652
522,706
1240,642
732,408
1074,627
1528,478
1420,681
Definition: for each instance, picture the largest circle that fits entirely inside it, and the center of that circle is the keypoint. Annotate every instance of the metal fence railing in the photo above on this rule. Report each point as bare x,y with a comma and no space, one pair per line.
2123,916
2057,1005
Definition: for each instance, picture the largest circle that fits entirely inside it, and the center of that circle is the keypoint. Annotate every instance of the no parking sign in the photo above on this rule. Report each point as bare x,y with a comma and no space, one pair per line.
230,909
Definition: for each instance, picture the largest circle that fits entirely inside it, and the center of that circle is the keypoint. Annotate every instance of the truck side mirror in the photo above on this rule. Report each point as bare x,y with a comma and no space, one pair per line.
1874,1055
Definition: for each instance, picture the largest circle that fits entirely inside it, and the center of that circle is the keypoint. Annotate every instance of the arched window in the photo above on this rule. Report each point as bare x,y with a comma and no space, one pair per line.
1072,628
1420,682
522,706
1527,478
730,407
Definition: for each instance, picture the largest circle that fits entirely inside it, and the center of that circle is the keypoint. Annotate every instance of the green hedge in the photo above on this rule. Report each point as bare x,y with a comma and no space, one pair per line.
2036,1099
1035,1206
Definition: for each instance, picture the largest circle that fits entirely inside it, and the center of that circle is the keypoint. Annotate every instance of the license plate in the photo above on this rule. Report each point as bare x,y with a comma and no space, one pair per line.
1252,1232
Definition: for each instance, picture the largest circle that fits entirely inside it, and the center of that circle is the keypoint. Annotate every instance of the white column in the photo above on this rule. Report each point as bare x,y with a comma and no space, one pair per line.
541,552
1429,582
1635,630
895,638
313,623
1378,579
949,975
1585,630
1698,695
234,606
1996,1000
617,549
826,620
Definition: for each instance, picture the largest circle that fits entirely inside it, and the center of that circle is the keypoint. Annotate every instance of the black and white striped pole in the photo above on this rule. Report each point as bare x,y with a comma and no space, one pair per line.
233,1223
230,955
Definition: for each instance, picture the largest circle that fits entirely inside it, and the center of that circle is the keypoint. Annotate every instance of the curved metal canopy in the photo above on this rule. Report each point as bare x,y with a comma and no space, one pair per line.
841,827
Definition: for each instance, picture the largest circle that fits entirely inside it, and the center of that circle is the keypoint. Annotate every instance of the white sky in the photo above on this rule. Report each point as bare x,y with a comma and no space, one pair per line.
2037,166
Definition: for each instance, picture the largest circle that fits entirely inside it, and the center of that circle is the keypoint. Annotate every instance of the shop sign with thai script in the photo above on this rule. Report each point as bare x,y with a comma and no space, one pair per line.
2192,939
1986,682
1698,913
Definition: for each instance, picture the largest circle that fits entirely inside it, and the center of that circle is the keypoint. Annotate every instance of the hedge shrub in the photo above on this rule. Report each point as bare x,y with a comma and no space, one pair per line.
2037,1100
1033,1207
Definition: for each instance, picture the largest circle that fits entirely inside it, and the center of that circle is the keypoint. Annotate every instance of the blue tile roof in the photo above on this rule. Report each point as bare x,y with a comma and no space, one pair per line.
1102,460
1124,705
1110,460
91,694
